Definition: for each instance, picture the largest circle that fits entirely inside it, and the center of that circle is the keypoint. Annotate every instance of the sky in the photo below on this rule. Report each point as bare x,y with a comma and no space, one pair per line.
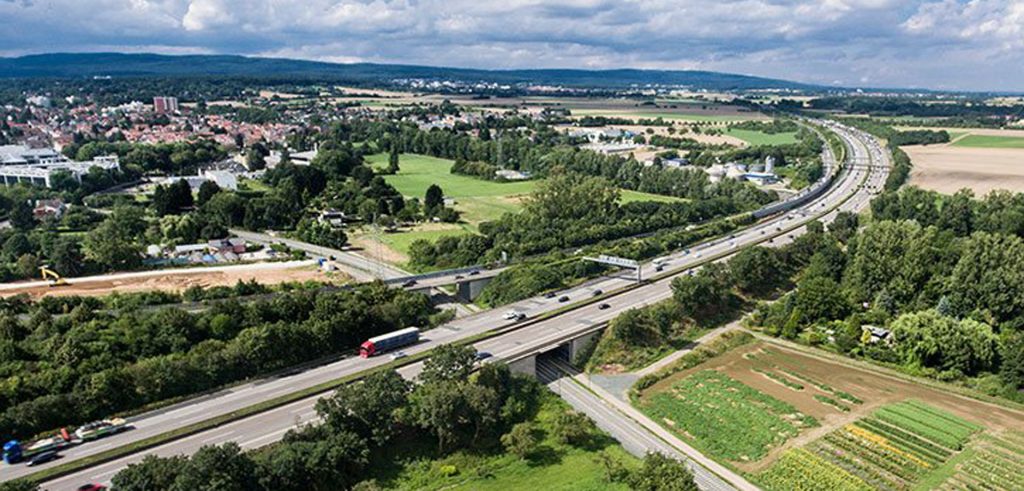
937,44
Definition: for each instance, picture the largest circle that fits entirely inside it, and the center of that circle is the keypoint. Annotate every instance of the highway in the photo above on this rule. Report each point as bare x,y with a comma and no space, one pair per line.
266,427
359,267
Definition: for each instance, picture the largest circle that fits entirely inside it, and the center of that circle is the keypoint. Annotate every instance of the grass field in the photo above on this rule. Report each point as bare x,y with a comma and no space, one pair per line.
477,200
755,138
555,467
989,141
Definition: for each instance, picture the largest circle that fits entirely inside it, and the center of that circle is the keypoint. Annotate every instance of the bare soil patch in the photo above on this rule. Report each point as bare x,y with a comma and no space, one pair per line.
179,282
946,169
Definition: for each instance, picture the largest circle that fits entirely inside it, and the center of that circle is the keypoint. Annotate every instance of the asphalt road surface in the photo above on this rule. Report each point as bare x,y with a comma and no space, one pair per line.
269,426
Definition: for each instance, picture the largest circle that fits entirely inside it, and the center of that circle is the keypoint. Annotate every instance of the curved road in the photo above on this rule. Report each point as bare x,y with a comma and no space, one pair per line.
269,426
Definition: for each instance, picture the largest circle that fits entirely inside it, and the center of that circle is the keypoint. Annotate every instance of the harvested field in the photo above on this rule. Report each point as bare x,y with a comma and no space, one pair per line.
175,281
948,168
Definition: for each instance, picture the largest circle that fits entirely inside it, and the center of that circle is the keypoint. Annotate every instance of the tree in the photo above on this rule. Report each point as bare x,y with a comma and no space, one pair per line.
393,161
520,440
206,191
989,276
151,473
448,363
67,257
368,408
661,473
19,485
706,291
254,159
439,408
928,340
1011,351
573,428
756,269
844,226
112,245
218,468
21,215
433,199
818,299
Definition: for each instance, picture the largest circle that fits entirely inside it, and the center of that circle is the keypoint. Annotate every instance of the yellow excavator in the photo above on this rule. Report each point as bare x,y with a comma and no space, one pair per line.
52,276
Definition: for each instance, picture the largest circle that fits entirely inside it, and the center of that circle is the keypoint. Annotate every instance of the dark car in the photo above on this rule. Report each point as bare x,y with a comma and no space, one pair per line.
659,268
92,487
474,272
459,277
482,355
604,306
408,283
563,298
43,458
597,293
549,295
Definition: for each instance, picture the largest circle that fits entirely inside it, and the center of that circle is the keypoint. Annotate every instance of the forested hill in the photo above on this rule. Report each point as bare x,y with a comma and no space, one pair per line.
74,65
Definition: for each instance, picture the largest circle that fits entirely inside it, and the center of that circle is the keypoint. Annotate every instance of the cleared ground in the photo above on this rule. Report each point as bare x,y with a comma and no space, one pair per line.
832,393
175,281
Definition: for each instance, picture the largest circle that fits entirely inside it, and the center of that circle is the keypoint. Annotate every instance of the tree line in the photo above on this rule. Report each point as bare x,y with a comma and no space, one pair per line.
87,362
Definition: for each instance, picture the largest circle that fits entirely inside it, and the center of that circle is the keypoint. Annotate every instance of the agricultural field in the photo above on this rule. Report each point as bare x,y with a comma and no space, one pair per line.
893,448
726,418
948,168
765,386
667,115
990,462
755,138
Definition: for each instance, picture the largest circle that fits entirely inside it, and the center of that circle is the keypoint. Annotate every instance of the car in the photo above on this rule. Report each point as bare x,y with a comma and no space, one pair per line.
511,315
92,487
474,272
563,298
762,232
459,277
659,268
597,292
604,306
398,355
481,356
549,295
771,240
42,458
408,283
778,229
698,255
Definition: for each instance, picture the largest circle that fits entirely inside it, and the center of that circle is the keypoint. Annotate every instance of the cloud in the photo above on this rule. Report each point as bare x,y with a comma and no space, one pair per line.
950,44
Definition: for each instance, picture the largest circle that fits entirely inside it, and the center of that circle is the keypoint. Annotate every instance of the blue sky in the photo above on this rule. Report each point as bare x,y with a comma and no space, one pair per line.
941,44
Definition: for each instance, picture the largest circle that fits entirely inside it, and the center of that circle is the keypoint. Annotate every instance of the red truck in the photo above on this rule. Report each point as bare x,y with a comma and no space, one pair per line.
389,341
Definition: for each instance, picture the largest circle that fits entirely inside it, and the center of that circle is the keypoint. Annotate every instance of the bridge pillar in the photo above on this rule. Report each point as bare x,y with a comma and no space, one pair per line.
469,289
582,343
525,366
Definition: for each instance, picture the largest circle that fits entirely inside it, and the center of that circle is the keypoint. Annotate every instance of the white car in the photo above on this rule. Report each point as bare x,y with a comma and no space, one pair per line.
398,355
511,315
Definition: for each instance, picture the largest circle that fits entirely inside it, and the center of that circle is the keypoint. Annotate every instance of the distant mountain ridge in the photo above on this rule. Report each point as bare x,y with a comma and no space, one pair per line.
79,65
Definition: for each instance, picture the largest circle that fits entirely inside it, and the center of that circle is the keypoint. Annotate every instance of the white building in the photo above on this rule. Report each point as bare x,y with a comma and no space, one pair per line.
37,166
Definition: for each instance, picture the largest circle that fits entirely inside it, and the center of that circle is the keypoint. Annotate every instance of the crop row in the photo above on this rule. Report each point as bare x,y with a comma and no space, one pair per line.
875,477
998,464
725,417
925,425
908,441
779,378
828,401
846,396
800,470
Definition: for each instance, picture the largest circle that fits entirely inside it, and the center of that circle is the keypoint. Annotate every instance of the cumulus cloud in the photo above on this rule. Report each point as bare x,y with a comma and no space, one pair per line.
886,42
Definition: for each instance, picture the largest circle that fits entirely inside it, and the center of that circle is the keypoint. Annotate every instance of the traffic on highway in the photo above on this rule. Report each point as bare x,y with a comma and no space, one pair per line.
522,334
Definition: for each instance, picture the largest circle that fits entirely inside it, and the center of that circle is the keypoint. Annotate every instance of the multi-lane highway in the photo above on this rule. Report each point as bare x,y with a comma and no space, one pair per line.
851,190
